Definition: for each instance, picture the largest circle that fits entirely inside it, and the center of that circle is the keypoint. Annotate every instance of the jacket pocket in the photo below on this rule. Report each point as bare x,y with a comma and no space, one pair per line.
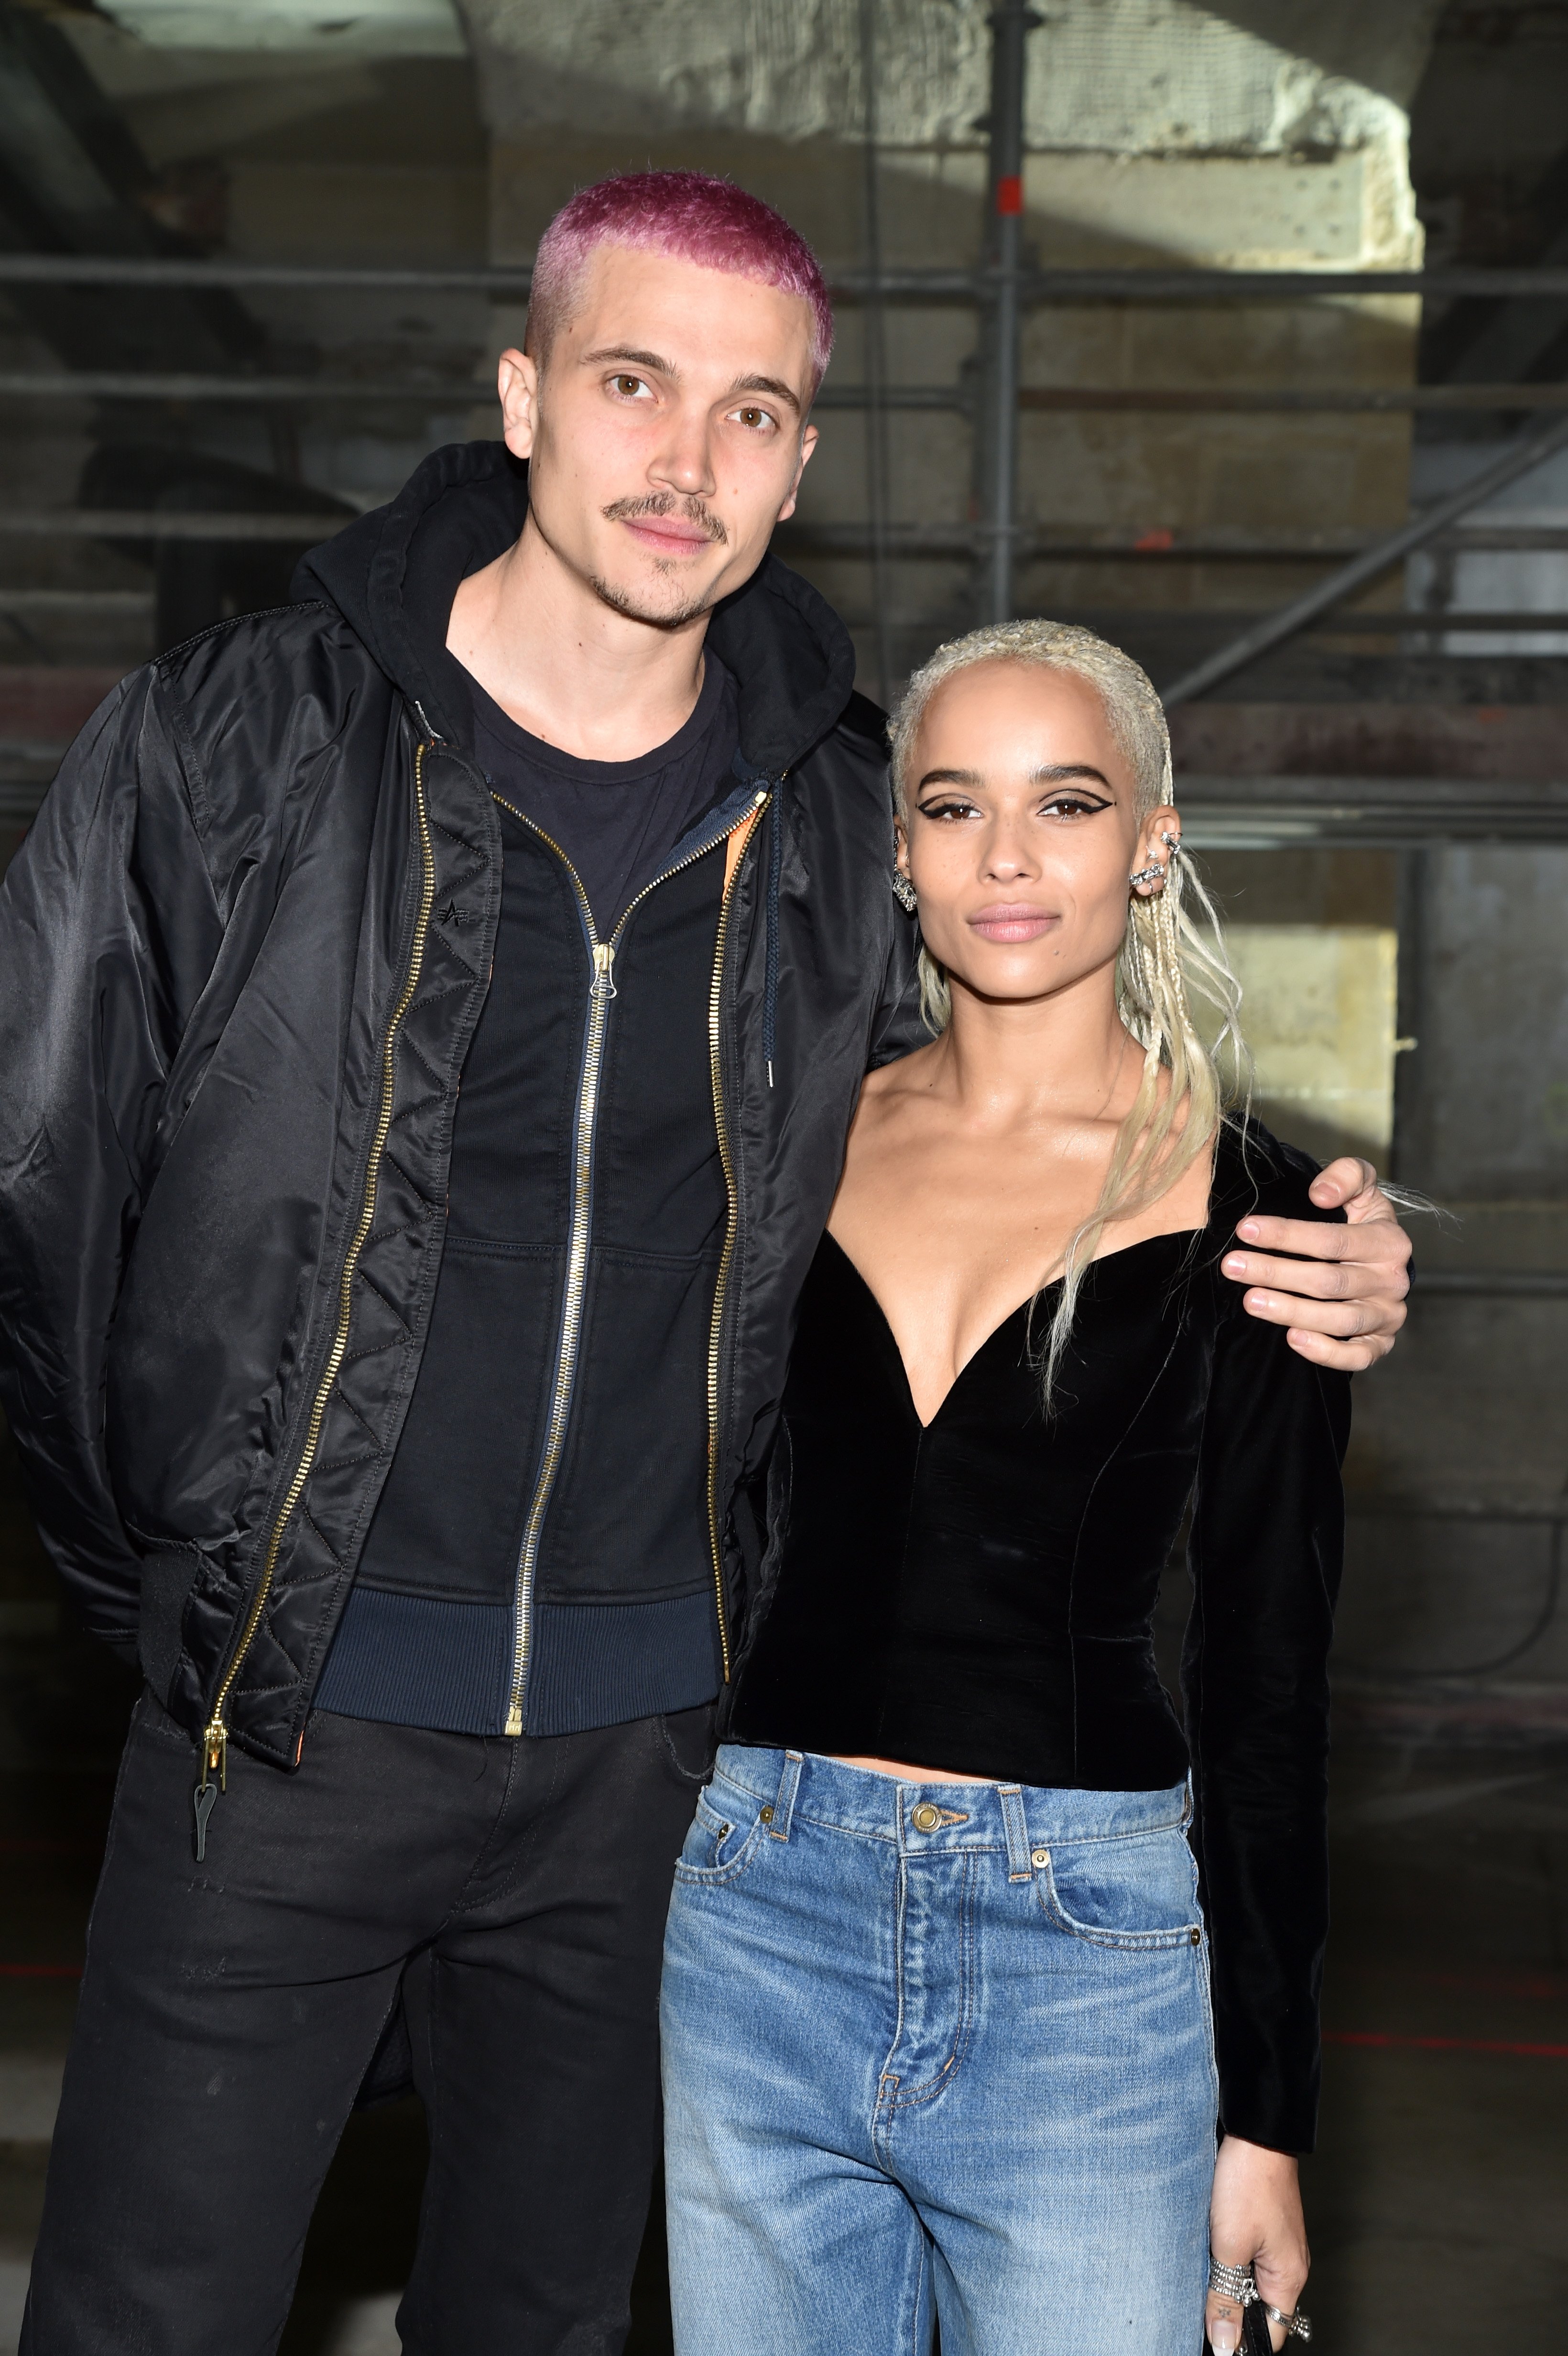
1136,1893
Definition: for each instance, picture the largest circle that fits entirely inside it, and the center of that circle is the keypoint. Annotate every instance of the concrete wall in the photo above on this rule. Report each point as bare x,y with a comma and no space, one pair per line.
1257,135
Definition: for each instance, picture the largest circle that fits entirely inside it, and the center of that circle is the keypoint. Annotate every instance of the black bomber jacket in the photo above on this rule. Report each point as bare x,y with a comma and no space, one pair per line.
242,952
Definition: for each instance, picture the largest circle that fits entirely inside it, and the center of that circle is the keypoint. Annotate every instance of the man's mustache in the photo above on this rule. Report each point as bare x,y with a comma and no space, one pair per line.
665,503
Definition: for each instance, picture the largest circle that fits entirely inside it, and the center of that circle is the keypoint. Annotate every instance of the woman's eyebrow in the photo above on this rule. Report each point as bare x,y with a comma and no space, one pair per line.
1056,773
970,778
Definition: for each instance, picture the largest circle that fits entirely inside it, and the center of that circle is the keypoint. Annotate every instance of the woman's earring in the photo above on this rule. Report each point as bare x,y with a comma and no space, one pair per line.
903,890
1150,875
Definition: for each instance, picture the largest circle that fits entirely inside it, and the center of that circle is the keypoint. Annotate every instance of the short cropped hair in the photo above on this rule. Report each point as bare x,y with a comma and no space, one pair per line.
692,215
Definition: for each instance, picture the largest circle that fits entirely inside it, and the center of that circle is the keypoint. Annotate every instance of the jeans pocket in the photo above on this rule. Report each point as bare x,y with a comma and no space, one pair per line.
1138,1892
724,1840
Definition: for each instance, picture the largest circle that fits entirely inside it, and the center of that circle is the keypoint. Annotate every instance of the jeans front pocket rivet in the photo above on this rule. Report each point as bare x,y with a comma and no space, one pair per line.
765,1816
1039,1856
1196,1937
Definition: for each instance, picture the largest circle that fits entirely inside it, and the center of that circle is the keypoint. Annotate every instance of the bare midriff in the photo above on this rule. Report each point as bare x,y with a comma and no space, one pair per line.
907,1775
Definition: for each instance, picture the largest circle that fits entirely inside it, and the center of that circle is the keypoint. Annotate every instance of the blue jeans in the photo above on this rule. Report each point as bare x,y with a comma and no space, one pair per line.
934,2045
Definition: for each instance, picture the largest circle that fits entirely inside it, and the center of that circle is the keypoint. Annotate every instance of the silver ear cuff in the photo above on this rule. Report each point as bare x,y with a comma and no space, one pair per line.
903,890
1155,874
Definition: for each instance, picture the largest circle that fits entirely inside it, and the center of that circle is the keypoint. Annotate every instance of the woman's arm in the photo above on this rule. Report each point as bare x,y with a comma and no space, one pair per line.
1255,2221
1267,1549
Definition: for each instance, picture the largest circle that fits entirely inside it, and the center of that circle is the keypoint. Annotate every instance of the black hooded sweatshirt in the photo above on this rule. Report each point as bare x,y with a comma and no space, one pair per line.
539,1554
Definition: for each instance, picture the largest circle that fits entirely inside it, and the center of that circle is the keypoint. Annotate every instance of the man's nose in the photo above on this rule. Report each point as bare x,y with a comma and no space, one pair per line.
684,460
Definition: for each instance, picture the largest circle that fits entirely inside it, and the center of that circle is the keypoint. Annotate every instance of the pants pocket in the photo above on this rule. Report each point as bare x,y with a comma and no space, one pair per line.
1136,1893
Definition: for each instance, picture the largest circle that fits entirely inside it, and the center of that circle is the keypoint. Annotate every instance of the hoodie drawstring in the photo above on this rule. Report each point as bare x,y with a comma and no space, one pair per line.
771,986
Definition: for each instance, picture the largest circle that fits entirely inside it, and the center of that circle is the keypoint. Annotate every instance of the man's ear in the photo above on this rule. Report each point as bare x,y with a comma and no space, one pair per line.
518,385
807,444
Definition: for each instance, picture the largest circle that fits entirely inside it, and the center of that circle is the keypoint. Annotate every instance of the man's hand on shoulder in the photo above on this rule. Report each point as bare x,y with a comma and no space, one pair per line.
1342,1297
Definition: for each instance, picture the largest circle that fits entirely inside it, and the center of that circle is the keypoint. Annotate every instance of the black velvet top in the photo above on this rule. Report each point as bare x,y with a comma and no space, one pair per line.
978,1593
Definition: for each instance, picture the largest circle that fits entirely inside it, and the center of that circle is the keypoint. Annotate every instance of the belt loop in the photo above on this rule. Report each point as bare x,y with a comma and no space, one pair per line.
783,1806
1012,1799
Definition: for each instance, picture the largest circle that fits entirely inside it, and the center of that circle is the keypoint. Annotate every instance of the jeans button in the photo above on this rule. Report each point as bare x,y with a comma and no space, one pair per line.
925,1819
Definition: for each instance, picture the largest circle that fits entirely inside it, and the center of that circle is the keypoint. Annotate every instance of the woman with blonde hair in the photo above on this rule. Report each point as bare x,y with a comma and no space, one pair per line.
973,1949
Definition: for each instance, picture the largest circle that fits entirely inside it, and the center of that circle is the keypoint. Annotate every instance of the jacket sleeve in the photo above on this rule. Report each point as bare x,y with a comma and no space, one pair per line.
1265,1553
108,930
898,1027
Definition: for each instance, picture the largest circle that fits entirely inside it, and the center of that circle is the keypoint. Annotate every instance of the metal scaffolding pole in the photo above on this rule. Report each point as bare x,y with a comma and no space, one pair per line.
1012,21
1527,453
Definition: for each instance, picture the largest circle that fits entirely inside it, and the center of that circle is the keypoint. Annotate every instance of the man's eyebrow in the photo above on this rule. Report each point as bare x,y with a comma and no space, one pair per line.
772,384
624,352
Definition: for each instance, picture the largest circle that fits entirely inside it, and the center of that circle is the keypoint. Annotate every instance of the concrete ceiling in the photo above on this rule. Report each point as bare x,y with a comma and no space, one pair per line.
322,29
1116,77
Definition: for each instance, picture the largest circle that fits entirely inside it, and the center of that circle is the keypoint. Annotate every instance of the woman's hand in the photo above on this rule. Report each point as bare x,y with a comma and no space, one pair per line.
1255,2220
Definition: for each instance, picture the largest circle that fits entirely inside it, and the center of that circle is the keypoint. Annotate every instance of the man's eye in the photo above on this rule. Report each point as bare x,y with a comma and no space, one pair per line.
629,386
754,420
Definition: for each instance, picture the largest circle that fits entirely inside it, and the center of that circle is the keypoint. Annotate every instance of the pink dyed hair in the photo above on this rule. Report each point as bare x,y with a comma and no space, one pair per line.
690,215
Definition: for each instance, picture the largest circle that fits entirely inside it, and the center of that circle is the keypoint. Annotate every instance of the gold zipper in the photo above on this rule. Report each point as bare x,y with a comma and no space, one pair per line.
215,1741
731,1228
601,991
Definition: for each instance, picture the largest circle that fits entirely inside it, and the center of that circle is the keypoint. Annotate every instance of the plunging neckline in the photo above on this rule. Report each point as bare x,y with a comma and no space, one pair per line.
1123,1251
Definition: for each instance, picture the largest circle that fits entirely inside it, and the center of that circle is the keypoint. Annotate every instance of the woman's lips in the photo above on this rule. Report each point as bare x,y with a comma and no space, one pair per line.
1007,925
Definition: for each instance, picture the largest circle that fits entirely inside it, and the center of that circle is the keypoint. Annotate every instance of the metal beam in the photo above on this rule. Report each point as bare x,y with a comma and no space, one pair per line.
1125,544
145,384
1523,459
938,285
996,418
1229,813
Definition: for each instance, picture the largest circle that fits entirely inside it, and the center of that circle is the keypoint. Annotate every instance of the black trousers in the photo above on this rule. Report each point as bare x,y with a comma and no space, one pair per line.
514,1893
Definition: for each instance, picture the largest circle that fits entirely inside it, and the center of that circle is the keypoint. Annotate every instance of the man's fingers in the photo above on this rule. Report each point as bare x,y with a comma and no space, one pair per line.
1350,1180
1345,1357
1311,1279
1381,1247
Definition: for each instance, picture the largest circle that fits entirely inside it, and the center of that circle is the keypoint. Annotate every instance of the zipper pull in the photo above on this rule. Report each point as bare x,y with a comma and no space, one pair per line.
603,969
214,1761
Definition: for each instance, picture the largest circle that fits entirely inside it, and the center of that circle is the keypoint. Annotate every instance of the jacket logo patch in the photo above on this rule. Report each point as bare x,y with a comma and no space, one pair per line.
453,914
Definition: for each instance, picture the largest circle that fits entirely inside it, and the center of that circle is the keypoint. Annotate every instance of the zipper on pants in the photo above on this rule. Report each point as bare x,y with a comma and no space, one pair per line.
215,1738
601,991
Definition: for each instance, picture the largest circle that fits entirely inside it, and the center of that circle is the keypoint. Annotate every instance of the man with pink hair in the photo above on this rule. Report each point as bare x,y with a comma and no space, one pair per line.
430,1020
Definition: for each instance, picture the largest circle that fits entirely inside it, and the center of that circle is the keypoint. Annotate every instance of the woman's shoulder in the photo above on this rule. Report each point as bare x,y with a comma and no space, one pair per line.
1256,1172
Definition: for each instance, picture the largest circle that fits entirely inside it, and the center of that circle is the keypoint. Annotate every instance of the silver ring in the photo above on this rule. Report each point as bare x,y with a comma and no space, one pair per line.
1235,2282
1296,2325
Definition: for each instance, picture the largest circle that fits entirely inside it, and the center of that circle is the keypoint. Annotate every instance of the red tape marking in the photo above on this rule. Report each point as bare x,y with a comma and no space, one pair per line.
1010,193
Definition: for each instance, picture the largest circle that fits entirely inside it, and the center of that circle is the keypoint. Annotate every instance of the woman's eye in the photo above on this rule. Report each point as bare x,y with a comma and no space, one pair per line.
1071,806
950,809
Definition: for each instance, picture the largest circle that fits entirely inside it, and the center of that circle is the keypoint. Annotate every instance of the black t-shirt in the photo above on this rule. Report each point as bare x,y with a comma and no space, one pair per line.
617,822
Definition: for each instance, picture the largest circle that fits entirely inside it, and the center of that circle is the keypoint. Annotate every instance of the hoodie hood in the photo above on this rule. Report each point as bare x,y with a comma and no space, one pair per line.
393,574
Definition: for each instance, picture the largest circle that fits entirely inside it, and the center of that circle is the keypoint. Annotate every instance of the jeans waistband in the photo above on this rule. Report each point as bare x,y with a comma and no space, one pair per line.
804,1786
